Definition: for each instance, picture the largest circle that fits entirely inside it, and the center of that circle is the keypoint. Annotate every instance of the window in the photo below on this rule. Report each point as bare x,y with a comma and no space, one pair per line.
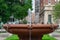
37,6
49,2
49,19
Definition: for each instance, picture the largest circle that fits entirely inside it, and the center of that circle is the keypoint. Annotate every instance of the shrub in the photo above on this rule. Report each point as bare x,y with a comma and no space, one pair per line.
15,37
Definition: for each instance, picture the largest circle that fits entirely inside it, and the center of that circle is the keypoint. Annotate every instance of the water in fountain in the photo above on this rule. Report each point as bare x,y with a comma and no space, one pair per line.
29,16
29,22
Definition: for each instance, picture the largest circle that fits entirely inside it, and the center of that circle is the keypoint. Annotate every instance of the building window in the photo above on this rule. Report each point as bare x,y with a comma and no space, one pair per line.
49,19
49,2
37,6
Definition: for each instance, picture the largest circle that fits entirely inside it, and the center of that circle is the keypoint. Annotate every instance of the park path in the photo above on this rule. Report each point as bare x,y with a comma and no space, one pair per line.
4,35
56,33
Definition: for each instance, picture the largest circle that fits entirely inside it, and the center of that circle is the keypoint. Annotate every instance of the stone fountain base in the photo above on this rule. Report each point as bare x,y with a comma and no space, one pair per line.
35,32
32,38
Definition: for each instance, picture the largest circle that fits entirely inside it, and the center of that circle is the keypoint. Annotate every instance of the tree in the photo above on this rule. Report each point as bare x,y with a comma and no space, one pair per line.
17,8
56,11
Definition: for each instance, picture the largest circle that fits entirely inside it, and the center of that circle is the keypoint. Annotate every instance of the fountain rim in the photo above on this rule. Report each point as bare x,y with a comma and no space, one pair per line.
33,26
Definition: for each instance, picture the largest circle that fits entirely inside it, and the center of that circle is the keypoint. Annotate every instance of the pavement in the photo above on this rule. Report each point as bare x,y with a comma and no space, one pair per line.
56,34
4,35
58,38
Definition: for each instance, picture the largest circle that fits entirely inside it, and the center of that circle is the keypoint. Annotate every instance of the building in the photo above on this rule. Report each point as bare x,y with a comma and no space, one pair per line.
42,11
46,11
37,10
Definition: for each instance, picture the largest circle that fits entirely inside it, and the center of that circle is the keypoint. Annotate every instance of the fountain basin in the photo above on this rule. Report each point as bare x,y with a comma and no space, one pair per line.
23,30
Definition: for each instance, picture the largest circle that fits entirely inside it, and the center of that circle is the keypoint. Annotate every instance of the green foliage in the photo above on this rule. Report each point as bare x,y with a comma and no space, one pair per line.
45,37
13,37
25,21
15,7
56,11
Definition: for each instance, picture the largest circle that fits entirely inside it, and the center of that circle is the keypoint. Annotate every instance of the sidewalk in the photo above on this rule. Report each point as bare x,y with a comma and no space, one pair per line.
2,30
4,35
55,35
58,38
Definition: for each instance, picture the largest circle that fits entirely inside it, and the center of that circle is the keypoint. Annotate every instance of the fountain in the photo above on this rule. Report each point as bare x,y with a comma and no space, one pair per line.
37,30
30,31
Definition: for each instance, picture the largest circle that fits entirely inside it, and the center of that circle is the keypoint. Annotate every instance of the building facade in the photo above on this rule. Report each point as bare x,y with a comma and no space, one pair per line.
37,10
42,11
46,11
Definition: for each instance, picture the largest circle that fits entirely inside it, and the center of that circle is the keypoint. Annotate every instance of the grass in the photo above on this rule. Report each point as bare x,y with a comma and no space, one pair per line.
15,37
47,37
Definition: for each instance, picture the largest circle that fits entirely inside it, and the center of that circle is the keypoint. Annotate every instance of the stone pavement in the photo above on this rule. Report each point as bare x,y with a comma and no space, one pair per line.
58,38
56,34
2,30
4,35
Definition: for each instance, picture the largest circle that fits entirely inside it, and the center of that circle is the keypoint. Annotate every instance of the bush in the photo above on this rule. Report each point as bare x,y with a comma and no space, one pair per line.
47,37
15,37
24,21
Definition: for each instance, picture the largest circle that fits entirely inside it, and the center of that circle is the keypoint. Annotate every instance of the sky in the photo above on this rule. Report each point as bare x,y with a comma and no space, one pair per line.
33,5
